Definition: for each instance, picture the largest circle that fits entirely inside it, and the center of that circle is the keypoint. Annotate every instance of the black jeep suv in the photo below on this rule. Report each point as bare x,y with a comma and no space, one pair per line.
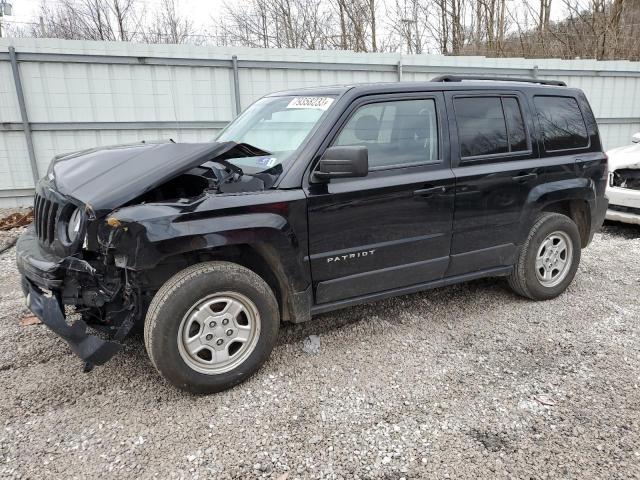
310,201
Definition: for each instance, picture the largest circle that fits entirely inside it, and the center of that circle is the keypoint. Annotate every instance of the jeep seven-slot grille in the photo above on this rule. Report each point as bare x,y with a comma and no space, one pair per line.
44,218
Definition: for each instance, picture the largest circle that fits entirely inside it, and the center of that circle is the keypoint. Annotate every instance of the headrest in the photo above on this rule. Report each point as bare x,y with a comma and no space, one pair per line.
367,128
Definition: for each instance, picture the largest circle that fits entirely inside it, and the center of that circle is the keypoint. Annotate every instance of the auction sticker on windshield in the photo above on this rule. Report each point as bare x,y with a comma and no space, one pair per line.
317,103
267,162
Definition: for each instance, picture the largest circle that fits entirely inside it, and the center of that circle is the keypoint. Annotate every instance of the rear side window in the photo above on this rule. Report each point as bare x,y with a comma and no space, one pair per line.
562,124
489,126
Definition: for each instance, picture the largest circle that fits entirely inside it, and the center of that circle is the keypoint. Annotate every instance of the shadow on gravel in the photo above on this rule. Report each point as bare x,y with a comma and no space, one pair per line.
618,229
394,308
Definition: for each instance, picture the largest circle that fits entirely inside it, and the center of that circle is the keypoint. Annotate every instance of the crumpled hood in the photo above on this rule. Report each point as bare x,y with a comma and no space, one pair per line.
107,178
627,156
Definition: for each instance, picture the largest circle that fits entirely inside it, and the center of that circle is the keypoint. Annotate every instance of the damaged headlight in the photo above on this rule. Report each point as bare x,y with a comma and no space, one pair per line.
73,225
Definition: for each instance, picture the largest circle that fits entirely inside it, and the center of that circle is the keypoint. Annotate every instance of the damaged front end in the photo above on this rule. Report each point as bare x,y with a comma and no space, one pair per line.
63,261
626,178
99,293
623,190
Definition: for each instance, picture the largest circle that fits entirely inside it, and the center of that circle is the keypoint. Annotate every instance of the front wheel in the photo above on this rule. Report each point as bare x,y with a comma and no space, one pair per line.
548,259
211,326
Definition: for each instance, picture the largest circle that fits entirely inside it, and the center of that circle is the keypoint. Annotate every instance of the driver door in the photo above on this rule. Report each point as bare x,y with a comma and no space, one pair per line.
391,229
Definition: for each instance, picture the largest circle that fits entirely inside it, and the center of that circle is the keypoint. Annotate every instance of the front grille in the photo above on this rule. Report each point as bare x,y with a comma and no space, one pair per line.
45,213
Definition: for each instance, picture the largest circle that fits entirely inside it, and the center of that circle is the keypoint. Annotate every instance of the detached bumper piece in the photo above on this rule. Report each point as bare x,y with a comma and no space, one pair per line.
90,348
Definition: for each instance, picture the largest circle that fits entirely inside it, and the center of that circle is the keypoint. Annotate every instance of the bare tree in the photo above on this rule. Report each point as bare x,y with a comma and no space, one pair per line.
446,26
168,26
409,24
312,24
278,23
357,24
372,20
601,29
545,15
89,19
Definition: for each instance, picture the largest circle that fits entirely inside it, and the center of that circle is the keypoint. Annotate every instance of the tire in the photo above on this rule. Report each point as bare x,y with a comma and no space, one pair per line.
200,306
528,277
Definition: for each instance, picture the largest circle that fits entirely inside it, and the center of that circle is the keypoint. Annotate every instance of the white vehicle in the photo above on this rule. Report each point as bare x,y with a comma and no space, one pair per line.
623,189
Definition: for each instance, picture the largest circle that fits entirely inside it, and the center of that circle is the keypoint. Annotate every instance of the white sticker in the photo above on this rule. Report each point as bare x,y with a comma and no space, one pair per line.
266,162
316,103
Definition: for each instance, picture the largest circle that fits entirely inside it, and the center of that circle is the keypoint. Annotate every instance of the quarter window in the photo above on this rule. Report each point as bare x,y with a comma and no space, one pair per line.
395,133
515,124
489,126
562,124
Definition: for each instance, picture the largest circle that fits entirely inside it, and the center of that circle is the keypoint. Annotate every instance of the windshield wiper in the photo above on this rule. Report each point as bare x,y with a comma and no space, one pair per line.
233,168
235,172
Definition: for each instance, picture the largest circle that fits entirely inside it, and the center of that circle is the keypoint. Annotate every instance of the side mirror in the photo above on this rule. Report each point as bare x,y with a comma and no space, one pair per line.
636,138
343,162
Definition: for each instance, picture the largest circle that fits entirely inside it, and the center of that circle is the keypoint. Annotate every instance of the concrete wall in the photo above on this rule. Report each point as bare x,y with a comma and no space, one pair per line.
81,94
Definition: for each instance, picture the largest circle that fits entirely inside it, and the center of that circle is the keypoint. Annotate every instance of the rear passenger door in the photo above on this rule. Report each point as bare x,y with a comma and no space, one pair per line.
495,162
392,228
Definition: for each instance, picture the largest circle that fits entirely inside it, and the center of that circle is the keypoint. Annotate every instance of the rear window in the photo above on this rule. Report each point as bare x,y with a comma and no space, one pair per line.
562,124
489,126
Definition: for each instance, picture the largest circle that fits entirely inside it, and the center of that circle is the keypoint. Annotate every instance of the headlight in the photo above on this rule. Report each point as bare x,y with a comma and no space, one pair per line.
73,225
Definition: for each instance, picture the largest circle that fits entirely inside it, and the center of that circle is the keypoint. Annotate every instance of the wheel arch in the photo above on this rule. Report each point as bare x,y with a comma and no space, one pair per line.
577,210
259,258
573,198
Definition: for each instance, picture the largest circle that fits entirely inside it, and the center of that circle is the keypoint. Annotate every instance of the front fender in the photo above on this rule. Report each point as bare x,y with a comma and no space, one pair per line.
142,236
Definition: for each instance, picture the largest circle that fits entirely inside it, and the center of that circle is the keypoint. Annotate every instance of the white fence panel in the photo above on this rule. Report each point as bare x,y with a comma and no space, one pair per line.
9,111
83,94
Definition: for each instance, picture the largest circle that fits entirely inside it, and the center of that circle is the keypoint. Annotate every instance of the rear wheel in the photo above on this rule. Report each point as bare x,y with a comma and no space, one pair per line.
211,326
548,259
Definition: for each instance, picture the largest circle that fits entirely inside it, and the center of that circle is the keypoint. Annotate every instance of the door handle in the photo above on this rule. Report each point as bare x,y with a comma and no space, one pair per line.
524,177
423,192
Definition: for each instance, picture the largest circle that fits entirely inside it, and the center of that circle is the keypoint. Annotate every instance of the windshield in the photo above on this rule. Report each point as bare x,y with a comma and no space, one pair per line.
277,125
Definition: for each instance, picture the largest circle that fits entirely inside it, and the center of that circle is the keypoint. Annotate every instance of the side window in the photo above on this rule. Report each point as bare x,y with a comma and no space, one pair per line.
481,126
395,133
562,124
490,126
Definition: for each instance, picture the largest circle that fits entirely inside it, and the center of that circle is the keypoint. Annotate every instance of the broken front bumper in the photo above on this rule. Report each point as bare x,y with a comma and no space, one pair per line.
90,348
624,205
42,271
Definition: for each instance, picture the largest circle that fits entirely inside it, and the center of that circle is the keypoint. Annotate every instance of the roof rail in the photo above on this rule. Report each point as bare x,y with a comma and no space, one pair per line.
460,78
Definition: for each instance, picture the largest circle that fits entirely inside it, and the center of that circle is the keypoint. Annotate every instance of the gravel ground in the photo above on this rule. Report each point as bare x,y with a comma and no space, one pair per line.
457,382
